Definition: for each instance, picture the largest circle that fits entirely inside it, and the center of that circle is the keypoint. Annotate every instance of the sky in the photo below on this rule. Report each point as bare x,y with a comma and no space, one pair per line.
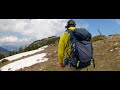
19,32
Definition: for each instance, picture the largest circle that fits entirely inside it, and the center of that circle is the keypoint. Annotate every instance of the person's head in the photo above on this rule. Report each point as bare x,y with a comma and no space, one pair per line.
70,23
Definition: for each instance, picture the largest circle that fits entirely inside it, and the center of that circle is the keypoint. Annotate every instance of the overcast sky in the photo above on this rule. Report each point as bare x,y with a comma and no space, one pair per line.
25,31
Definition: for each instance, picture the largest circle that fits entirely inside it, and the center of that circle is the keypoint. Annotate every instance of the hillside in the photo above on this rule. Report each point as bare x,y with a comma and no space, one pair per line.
106,54
40,43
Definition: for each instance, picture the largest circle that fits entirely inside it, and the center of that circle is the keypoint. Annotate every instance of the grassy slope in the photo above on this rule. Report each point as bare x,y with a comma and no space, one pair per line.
105,58
106,54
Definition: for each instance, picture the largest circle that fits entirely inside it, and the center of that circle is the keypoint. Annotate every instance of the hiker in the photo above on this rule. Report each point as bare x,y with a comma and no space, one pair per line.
66,54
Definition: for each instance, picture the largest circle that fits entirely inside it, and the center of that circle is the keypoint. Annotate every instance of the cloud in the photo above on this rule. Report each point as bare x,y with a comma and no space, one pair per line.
117,21
8,39
23,31
13,40
85,25
82,24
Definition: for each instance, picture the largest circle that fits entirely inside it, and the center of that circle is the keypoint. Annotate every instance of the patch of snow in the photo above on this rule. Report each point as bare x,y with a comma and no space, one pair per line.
13,57
25,62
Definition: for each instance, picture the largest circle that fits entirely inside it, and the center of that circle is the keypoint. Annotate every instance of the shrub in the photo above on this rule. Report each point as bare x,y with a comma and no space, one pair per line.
99,37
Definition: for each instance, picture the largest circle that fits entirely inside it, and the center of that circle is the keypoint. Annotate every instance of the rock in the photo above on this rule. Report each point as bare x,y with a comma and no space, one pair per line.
38,60
54,51
116,44
40,69
119,53
49,54
9,69
111,50
116,48
101,66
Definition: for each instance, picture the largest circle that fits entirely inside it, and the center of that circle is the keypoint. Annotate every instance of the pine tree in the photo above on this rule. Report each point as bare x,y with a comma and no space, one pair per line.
2,56
20,50
32,47
10,53
25,49
13,52
16,52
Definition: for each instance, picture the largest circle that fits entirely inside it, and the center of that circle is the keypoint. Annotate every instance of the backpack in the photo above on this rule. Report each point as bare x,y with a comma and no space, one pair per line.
81,48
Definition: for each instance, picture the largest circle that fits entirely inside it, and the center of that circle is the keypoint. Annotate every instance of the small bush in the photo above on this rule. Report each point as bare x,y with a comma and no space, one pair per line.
99,37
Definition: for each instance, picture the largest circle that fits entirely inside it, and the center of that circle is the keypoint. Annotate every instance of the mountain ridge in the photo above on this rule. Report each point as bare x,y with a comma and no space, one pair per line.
4,51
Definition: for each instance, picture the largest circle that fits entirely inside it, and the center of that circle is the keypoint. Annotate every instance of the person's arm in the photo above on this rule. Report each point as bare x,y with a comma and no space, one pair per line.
61,48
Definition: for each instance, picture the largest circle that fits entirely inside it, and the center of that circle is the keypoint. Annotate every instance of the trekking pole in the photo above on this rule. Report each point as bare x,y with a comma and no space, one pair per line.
101,35
93,62
99,32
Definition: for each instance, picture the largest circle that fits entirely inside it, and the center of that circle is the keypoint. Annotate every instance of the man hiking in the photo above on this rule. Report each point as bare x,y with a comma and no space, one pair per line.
75,48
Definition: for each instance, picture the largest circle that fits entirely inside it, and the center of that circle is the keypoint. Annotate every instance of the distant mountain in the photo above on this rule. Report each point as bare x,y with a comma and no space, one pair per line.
4,51
10,47
43,42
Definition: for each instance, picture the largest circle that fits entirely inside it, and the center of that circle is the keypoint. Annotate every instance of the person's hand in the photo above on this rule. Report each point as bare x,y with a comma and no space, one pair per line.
62,65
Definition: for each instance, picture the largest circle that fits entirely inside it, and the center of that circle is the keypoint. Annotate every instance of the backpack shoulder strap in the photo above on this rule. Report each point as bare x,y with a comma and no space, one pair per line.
69,31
